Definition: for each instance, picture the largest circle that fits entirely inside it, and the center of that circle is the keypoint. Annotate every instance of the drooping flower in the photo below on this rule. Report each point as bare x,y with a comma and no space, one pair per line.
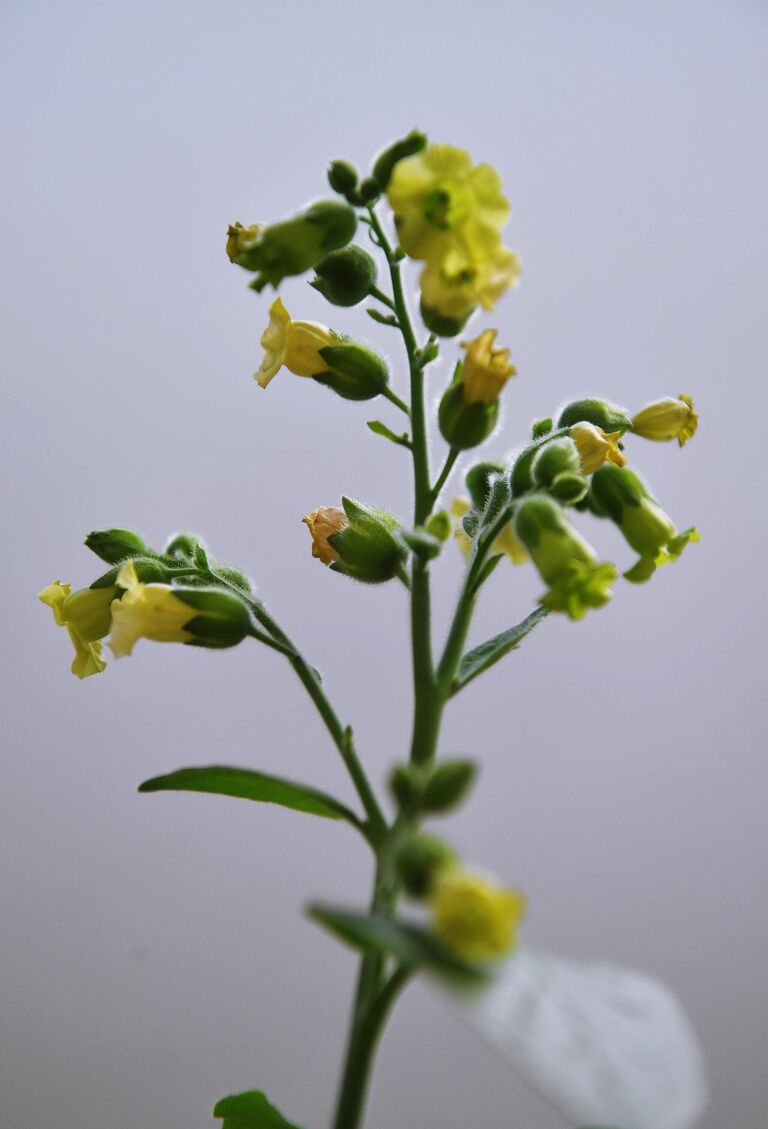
486,369
293,344
453,286
147,611
667,419
443,202
86,616
474,916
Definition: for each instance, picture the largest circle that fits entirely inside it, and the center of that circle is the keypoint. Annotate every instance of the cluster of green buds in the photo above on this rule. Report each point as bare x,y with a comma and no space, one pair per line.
173,596
579,462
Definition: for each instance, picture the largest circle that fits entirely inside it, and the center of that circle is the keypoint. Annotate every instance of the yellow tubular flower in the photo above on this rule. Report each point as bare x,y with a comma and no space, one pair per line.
595,447
322,524
667,419
485,370
293,344
146,611
453,286
473,916
443,203
86,616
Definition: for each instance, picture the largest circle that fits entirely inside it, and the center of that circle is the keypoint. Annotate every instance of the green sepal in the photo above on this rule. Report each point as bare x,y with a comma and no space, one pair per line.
150,570
412,945
465,425
251,1110
569,488
384,164
244,783
521,479
480,658
441,325
478,481
369,547
447,785
345,277
354,371
439,525
421,543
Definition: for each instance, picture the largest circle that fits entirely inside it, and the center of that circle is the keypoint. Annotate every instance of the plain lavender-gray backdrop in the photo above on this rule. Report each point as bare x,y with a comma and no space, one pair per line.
154,956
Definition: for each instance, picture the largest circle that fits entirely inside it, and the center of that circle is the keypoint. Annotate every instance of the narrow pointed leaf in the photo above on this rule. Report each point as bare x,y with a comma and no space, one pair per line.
481,658
411,945
379,428
251,1110
223,780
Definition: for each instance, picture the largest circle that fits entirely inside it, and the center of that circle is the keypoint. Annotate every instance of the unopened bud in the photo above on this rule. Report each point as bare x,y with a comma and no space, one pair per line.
419,860
345,277
342,177
353,371
384,164
667,419
599,412
114,545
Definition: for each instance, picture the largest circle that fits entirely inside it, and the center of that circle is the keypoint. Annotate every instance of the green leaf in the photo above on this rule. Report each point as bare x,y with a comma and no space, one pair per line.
379,428
382,319
251,1110
481,658
411,945
222,780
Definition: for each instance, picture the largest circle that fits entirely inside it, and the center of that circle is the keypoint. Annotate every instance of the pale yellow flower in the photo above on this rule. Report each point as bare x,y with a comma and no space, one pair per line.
474,916
293,344
86,616
454,286
241,238
147,611
443,203
322,524
485,370
595,447
666,419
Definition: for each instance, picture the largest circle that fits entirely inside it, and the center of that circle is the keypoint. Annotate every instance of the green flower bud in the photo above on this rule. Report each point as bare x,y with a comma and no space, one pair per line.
384,164
421,543
370,190
345,277
552,459
478,481
419,860
541,427
149,570
465,425
441,325
448,785
406,785
361,541
577,580
354,371
599,412
182,545
342,177
114,545
569,488
625,499
293,246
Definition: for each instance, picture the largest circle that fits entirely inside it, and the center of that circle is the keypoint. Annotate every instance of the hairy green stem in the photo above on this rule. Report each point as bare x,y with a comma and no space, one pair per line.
442,478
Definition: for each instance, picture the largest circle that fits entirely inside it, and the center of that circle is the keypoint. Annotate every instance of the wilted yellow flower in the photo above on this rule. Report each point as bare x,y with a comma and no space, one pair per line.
294,344
507,541
239,238
595,447
474,916
485,370
667,419
86,616
322,524
443,203
453,286
147,611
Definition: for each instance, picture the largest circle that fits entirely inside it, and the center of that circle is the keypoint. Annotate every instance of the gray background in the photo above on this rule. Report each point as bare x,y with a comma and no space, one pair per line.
154,956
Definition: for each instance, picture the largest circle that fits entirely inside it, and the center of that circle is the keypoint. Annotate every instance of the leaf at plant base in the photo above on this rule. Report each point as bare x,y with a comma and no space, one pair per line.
411,945
486,654
251,1110
223,780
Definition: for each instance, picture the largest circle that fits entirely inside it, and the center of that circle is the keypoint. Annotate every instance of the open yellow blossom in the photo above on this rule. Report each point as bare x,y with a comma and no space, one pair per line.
666,419
595,447
322,524
443,203
454,286
474,916
507,541
485,370
147,611
293,344
86,616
